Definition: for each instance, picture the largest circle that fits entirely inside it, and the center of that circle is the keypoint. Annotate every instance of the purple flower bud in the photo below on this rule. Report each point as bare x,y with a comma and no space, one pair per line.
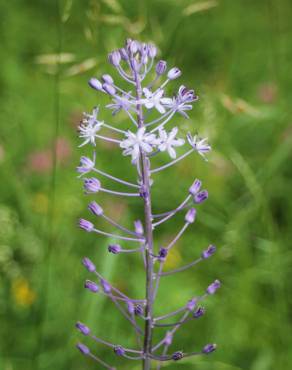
82,328
168,338
131,307
135,65
119,350
108,88
92,185
144,193
191,215
152,50
90,285
138,227
199,312
114,58
176,356
132,46
173,73
83,348
88,264
195,187
144,59
95,208
209,348
86,225
191,304
160,67
186,95
138,310
209,251
213,287
107,79
162,252
95,84
144,53
201,196
105,286
114,248
86,165
124,54
144,49
128,43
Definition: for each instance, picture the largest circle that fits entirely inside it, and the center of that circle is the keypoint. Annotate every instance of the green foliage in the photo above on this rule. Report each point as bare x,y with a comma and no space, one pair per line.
237,55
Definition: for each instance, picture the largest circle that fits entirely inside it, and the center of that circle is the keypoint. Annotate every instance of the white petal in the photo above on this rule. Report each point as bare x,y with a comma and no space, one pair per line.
162,147
171,152
147,92
149,104
166,101
178,142
160,108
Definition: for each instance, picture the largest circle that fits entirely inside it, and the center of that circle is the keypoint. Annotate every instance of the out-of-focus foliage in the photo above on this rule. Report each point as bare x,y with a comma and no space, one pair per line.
237,55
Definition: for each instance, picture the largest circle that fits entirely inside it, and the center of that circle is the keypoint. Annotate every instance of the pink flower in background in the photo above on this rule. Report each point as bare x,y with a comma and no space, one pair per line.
63,150
42,161
268,93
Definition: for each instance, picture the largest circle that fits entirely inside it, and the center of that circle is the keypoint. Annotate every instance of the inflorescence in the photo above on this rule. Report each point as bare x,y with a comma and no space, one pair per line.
148,138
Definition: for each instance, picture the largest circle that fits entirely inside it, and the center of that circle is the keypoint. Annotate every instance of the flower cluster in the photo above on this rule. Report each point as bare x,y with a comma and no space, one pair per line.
147,142
147,139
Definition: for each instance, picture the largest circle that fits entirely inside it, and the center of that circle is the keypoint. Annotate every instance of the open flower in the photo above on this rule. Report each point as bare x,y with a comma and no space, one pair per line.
86,165
181,102
168,141
89,127
154,99
200,145
121,103
138,141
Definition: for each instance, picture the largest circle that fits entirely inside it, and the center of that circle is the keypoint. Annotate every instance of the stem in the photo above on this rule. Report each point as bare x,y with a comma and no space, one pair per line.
172,162
115,178
114,223
172,331
145,177
183,268
100,361
171,214
120,193
180,207
116,236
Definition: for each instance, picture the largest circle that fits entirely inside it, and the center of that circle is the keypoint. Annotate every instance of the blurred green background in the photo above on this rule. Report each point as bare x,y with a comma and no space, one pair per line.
237,55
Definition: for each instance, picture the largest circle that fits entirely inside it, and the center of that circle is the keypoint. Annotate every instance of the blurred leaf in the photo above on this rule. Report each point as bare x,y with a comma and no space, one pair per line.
53,59
77,69
114,5
136,28
131,27
114,19
236,106
67,10
199,7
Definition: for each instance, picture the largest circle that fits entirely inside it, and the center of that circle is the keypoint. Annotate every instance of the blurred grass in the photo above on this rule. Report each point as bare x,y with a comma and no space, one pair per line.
237,56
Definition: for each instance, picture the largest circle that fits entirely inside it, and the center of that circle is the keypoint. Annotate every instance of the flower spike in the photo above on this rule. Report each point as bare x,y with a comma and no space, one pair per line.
149,110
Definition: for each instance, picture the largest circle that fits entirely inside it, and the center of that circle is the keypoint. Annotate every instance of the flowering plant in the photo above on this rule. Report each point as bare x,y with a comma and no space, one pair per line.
147,139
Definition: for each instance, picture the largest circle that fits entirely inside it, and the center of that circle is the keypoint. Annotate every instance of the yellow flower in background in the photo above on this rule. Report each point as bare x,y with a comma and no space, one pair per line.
22,293
173,259
40,203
